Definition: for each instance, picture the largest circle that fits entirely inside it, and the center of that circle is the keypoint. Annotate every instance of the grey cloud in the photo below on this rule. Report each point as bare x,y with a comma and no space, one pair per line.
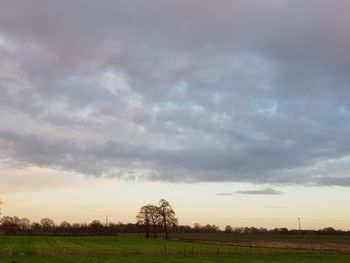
226,194
335,180
265,191
191,91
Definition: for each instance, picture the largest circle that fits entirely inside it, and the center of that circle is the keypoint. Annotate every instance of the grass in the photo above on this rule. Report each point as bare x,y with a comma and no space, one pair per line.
135,249
115,246
178,259
262,236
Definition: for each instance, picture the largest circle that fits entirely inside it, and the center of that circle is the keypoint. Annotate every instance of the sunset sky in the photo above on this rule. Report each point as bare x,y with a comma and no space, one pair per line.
236,112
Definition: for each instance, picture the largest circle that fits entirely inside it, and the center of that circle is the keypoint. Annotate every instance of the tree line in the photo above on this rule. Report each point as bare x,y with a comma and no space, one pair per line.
46,226
151,220
161,218
284,231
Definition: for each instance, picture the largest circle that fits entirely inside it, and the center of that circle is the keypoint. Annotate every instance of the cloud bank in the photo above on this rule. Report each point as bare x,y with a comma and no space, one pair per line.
182,91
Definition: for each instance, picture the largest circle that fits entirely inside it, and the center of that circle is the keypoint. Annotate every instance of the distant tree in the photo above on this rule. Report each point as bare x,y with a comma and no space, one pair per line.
96,224
144,218
65,224
24,224
9,224
76,225
168,216
47,223
263,230
228,229
197,227
96,227
210,228
35,226
329,230
283,230
239,230
185,229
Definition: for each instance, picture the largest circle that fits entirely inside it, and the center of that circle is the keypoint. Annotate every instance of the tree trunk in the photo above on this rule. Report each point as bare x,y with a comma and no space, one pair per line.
165,226
147,226
147,230
154,230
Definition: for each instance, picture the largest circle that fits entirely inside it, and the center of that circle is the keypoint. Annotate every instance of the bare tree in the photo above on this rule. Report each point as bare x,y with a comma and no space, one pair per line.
24,224
9,224
143,218
35,226
168,216
47,223
155,218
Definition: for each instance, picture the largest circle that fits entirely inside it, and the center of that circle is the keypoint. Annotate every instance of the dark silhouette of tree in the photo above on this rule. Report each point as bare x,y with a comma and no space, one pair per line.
328,230
167,215
197,227
210,228
36,227
155,218
24,224
65,224
96,227
47,223
76,225
95,224
228,229
144,218
10,225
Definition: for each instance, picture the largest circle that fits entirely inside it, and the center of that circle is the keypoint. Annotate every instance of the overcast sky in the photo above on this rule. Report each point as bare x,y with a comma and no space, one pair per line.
177,91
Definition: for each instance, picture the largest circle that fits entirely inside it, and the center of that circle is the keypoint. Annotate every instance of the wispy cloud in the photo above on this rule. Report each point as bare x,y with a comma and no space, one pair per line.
264,191
226,194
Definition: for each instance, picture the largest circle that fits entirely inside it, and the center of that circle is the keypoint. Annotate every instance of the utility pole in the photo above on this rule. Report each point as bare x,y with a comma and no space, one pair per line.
299,223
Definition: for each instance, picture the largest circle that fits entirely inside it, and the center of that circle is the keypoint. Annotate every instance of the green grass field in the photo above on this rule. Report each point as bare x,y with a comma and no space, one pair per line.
135,249
179,259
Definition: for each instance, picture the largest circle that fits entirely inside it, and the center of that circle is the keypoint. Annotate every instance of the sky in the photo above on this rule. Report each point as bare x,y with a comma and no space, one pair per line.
236,112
